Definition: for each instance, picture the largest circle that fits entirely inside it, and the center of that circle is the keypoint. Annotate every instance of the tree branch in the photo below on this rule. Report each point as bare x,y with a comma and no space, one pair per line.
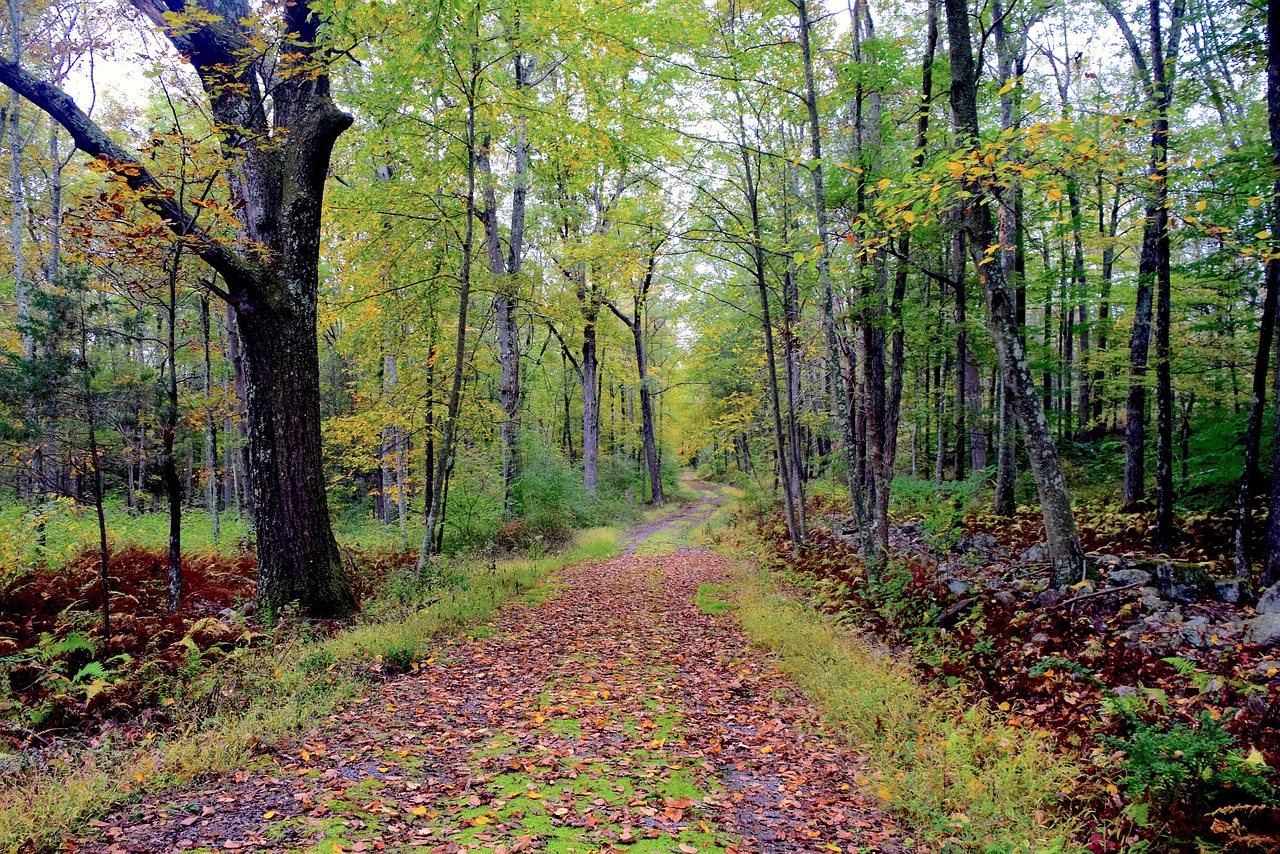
94,141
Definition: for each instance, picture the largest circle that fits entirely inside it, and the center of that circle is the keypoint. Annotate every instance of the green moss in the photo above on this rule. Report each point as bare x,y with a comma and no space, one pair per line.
715,599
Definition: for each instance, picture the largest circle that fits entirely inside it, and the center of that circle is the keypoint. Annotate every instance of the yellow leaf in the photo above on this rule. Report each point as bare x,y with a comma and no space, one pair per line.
1201,205
1054,194
270,814
1005,88
909,217
884,184
990,159
884,794
1004,707
533,795
1255,201
1263,235
766,749
419,810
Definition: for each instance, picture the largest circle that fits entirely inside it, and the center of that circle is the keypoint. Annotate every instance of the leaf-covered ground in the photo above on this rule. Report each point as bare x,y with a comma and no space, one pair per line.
618,709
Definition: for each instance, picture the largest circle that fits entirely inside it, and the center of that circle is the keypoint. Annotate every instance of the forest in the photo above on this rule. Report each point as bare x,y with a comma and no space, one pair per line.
732,425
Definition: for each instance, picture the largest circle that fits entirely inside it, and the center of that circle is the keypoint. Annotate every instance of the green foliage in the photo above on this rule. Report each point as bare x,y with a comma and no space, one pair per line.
552,499
905,596
1167,762
941,507
1065,665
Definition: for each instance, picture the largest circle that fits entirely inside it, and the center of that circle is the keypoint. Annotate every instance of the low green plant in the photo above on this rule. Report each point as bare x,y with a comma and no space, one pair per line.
905,597
1173,762
714,599
941,507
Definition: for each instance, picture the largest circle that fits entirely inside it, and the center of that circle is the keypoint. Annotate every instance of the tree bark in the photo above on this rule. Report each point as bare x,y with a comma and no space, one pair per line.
1154,262
635,323
169,464
211,428
433,533
1066,553
506,302
1271,564
844,421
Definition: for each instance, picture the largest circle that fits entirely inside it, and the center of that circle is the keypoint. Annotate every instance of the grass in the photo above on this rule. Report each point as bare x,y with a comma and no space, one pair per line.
70,529
714,599
258,698
954,770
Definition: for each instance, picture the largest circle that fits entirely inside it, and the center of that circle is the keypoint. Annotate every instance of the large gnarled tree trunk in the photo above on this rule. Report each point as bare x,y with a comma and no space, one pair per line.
277,161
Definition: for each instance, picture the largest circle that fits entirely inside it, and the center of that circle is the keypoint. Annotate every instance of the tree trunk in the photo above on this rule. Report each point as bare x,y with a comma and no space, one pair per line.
271,279
172,486
506,301
590,400
635,323
1066,553
211,428
824,269
1271,564
432,535
962,350
1153,264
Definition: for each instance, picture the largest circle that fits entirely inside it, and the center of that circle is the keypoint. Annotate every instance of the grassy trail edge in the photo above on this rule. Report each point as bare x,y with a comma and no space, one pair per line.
952,768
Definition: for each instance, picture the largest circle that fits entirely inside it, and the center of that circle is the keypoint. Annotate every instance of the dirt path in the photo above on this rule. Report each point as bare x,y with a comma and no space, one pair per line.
615,716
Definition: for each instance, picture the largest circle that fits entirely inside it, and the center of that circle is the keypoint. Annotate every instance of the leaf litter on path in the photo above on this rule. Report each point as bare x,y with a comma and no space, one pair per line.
615,716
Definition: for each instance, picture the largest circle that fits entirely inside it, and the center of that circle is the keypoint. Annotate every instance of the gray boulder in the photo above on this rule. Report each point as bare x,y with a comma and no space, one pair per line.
1263,630
1185,583
1125,577
1039,553
1151,600
1269,601
1229,591
983,542
1193,631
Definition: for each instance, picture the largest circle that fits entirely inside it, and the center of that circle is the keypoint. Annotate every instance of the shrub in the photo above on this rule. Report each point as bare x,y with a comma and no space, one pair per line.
552,498
1174,763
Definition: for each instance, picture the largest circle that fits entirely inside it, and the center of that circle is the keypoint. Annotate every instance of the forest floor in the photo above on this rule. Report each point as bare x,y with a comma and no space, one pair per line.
615,708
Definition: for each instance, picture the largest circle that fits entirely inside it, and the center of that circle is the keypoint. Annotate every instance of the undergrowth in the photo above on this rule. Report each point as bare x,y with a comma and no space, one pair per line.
257,698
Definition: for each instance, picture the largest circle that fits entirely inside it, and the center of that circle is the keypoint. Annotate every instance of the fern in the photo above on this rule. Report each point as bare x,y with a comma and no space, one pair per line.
50,649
